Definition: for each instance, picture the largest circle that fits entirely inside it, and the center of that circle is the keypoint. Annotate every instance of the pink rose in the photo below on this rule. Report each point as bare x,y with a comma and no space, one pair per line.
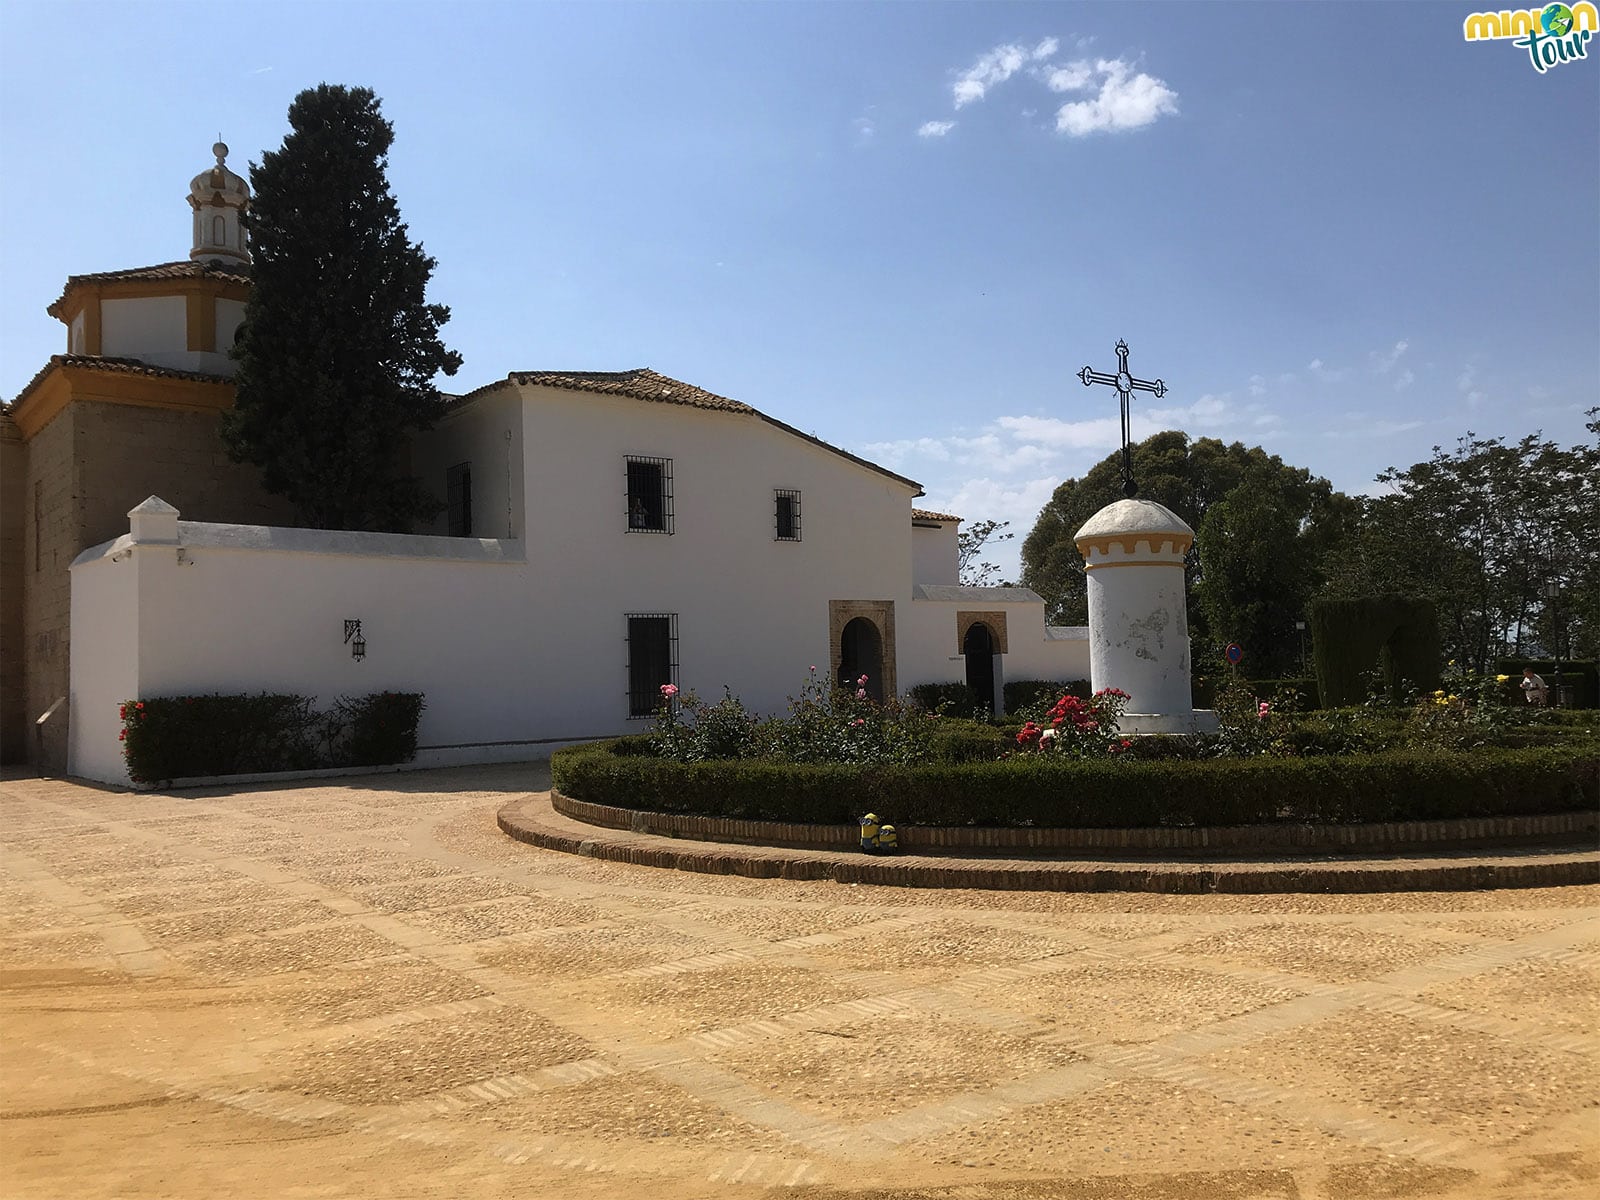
669,690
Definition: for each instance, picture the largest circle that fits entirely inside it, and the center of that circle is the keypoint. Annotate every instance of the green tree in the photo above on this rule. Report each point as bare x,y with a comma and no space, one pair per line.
1189,477
339,348
1259,573
1481,531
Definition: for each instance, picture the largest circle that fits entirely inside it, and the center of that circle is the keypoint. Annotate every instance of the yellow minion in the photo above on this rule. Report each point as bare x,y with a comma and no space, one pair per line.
888,840
870,833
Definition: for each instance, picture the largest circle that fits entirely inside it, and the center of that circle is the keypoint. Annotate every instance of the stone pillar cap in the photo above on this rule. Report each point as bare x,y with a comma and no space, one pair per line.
1133,517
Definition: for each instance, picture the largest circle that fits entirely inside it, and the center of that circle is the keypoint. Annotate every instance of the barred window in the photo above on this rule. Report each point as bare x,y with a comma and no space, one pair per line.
788,515
458,499
649,495
652,660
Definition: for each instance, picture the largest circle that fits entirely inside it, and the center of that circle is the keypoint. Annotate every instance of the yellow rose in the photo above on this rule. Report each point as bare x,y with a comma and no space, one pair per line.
1501,678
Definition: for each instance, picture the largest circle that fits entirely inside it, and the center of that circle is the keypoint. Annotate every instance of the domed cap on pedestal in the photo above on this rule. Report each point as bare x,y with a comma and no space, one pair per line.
217,185
1118,530
219,199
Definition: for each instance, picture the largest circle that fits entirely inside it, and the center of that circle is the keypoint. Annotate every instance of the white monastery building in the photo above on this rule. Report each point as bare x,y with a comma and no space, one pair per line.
604,533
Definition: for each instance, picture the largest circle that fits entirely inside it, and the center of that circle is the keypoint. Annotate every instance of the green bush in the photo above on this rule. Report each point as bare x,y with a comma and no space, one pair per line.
958,696
178,737
1125,792
1037,693
376,729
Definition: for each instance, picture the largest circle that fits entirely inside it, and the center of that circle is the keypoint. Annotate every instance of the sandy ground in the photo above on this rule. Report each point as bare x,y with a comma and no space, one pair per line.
361,988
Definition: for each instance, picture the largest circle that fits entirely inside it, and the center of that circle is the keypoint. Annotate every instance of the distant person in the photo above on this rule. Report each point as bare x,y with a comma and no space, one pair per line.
1533,687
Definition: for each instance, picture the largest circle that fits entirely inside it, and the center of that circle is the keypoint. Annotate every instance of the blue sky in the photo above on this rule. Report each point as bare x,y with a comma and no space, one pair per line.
1336,230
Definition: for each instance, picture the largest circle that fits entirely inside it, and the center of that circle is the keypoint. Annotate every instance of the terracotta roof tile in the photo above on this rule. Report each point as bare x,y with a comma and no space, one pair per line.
922,514
120,366
183,269
642,383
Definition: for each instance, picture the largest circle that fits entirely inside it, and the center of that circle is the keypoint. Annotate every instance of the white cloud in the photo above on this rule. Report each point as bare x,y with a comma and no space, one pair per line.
995,67
865,129
1098,433
1073,77
1258,386
1404,380
935,129
1384,361
1125,101
1314,365
985,499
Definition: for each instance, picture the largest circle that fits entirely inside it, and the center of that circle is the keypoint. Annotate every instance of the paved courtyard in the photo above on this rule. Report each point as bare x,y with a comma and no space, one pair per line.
362,988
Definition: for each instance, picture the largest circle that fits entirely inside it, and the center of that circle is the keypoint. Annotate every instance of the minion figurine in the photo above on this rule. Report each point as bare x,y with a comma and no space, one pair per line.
870,833
888,840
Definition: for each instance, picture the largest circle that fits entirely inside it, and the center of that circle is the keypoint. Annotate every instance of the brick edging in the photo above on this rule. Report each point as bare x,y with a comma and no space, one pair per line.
1454,834
525,821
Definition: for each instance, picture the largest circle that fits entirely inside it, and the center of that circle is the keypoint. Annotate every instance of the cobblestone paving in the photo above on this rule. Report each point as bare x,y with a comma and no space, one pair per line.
362,988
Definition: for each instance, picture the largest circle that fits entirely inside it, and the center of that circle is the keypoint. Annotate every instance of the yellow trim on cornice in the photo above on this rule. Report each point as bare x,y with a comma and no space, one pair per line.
200,317
145,289
1126,562
1129,543
65,384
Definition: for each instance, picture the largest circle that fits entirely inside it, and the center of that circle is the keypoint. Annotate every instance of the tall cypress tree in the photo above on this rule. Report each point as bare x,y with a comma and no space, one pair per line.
339,348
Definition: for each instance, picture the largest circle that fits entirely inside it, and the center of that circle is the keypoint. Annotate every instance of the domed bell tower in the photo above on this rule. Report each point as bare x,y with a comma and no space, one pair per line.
219,198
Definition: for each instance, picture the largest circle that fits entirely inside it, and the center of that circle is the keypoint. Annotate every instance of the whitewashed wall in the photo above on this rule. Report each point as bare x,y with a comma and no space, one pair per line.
152,328
930,652
934,552
252,608
487,433
752,610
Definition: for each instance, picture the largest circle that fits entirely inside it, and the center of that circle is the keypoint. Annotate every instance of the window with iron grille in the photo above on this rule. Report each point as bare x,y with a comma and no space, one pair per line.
788,515
649,495
458,499
652,660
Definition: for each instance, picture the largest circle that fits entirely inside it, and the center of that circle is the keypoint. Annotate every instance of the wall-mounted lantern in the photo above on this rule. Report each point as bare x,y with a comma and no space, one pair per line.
353,639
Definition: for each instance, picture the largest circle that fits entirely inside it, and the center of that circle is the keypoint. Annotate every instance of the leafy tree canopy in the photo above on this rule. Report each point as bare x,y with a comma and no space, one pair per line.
1482,531
339,348
1284,505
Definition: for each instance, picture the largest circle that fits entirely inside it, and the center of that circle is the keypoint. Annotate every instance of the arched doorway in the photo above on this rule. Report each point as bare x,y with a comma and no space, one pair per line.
861,653
979,648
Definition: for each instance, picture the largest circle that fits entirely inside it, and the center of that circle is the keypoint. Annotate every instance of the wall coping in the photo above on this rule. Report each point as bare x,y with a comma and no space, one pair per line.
204,535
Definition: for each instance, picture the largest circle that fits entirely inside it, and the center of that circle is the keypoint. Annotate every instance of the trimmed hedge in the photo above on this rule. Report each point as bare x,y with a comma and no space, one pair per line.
1035,790
182,737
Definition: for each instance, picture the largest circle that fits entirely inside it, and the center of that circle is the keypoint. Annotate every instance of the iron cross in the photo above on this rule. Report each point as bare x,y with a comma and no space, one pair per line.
1126,385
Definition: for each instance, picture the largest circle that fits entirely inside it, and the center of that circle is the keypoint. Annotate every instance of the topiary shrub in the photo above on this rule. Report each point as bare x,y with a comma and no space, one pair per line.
1397,633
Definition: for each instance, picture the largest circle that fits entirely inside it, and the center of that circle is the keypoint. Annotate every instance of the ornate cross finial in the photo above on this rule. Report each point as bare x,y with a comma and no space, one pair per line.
1126,385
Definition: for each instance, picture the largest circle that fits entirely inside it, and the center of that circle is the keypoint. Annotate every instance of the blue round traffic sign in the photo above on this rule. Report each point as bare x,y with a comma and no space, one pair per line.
1234,653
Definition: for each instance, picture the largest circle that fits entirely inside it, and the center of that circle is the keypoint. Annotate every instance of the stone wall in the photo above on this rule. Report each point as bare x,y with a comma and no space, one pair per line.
127,453
13,689
51,539
84,471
